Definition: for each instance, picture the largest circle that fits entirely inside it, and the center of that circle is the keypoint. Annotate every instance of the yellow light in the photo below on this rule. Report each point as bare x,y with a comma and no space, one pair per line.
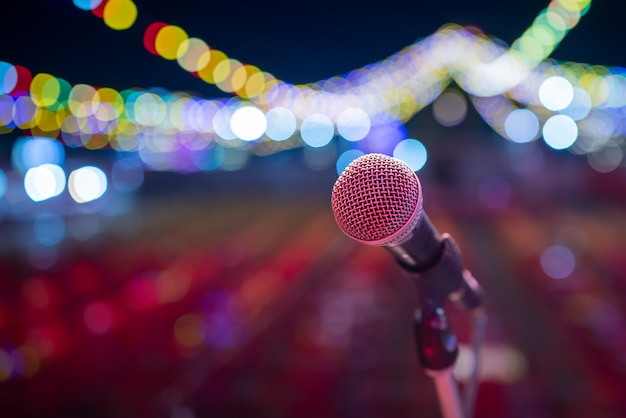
222,70
206,73
44,90
193,54
574,5
47,120
169,40
255,84
239,78
119,14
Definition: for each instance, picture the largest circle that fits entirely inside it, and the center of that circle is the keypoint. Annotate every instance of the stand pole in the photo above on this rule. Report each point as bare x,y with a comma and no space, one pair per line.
438,349
447,392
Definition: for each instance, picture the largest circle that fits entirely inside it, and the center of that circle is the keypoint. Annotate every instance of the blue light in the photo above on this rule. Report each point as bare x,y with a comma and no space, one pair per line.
49,229
412,152
29,152
346,158
87,4
3,183
281,124
317,130
8,77
521,126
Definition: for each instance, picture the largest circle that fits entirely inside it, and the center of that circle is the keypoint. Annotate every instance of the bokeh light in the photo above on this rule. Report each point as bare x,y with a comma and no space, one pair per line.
281,123
412,152
317,130
119,14
4,183
49,229
29,152
450,108
353,124
221,122
44,182
580,106
248,123
606,159
560,132
45,90
346,158
8,77
149,36
87,4
556,93
193,55
87,183
168,41
558,262
521,125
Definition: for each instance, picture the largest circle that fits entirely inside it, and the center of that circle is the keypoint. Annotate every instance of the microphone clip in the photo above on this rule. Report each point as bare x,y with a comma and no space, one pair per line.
446,279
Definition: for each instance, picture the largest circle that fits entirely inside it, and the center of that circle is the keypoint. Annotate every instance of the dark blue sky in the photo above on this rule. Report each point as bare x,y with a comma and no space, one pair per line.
297,40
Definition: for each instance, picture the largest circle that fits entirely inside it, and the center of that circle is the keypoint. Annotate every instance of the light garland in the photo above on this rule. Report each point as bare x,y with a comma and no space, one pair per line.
395,89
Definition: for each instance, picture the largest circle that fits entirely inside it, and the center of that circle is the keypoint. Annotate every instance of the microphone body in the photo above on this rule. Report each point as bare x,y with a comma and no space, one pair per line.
377,200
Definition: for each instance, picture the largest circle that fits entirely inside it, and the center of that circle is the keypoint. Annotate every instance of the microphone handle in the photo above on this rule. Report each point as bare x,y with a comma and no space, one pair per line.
423,249
436,262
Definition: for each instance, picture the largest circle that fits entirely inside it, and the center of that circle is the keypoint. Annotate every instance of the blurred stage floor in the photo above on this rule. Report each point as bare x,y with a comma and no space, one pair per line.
259,306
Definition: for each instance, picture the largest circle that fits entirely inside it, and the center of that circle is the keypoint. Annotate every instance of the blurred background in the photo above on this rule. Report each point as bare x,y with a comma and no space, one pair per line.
167,246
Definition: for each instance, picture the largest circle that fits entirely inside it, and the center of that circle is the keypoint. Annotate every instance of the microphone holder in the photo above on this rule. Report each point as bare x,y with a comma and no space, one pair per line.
437,351
437,346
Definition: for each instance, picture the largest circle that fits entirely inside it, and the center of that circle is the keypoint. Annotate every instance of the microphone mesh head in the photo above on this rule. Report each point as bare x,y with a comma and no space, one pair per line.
377,200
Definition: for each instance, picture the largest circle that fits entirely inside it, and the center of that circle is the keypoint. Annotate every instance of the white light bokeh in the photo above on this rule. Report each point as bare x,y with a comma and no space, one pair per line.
580,106
248,123
521,126
44,182
221,123
556,93
412,152
87,183
560,132
317,130
281,124
353,124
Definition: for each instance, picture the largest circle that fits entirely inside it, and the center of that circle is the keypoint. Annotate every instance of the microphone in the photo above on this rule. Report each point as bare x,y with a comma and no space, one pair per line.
377,200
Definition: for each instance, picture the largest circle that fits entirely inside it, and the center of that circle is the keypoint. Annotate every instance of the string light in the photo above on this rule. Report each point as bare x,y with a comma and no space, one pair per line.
500,81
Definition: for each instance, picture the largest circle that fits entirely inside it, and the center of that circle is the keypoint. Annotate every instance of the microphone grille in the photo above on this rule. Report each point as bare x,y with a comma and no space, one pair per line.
377,200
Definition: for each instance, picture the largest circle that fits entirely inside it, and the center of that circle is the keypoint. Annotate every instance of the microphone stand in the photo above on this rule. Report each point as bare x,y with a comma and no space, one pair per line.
436,343
437,350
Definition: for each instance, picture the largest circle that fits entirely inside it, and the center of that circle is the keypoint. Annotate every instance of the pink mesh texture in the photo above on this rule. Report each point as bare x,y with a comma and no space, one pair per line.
377,200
